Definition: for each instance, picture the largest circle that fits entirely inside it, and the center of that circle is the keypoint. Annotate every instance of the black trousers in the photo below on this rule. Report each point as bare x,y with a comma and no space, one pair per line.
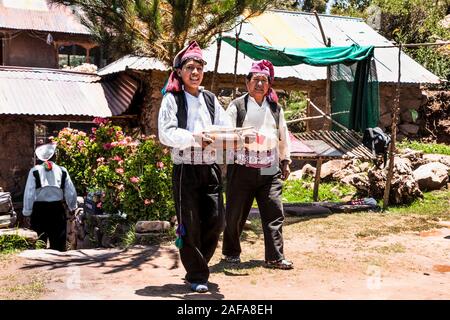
48,219
243,186
198,197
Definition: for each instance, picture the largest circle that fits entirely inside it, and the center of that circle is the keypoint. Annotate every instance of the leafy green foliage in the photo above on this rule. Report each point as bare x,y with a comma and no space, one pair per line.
302,191
133,173
12,242
438,148
294,106
434,204
408,21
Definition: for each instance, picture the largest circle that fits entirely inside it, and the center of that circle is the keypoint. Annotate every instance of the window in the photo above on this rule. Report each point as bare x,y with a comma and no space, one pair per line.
43,130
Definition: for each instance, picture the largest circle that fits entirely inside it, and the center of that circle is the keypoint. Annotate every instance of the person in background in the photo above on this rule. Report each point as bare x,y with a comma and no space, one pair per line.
48,187
259,170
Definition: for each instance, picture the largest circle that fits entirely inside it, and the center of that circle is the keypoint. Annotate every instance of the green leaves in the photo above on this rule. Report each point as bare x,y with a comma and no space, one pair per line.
159,28
133,173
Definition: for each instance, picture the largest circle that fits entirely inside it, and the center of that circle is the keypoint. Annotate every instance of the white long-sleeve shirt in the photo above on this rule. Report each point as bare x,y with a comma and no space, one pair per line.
198,120
262,120
50,188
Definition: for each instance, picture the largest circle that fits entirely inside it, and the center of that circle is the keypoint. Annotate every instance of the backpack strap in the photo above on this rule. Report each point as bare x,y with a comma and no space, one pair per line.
63,179
37,177
180,100
373,141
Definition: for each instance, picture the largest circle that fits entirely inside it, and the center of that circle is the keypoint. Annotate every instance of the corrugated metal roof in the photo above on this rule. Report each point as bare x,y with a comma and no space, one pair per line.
46,17
35,91
343,31
134,63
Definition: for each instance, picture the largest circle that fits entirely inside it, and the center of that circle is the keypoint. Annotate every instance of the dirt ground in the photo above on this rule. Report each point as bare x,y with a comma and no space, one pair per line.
335,257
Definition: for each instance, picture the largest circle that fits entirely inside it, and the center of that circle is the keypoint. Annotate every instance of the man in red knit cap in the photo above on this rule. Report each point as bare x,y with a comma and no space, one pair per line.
259,168
186,111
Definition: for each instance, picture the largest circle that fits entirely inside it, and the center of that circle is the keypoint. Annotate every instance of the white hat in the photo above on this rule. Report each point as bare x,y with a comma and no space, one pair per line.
46,151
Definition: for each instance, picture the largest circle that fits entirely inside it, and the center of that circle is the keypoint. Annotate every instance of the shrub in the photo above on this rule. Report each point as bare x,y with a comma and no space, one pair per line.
134,173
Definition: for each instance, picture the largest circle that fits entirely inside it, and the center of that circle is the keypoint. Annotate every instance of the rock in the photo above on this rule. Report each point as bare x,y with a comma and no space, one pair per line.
29,235
409,129
385,120
437,158
415,157
296,175
308,170
406,117
404,189
364,166
152,226
359,180
431,176
332,166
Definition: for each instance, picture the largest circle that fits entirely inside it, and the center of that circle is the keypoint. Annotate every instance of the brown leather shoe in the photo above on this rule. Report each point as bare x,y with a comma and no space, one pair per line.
282,264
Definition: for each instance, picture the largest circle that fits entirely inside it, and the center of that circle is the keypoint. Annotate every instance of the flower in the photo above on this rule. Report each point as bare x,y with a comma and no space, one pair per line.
81,143
101,159
107,146
99,120
160,165
135,179
119,170
148,201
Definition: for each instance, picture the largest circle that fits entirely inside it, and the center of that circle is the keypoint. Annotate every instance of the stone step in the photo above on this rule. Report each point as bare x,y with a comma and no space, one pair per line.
28,234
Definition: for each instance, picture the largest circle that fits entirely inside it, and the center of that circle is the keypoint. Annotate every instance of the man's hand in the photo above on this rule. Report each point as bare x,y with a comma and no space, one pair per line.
202,140
285,170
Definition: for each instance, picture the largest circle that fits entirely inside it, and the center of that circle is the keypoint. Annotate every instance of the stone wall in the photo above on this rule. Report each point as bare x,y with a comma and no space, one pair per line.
16,153
17,149
411,98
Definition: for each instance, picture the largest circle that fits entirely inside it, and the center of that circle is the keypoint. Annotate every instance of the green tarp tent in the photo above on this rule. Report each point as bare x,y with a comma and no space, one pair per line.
354,84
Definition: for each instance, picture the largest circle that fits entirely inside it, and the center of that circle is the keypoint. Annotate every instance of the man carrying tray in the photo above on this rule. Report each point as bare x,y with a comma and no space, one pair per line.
187,110
259,168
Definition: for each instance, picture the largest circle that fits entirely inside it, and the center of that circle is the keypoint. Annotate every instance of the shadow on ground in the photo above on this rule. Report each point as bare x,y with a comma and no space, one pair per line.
235,269
180,291
116,261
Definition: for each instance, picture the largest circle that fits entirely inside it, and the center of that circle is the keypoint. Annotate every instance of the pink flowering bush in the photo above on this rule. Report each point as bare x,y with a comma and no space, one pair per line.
133,173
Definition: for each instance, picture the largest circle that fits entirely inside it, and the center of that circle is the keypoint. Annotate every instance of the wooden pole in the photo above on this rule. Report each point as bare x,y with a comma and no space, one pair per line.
216,66
236,62
392,148
317,179
327,43
327,124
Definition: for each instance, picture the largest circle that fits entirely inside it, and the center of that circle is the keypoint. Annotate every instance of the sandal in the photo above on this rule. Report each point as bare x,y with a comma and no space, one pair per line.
232,259
282,264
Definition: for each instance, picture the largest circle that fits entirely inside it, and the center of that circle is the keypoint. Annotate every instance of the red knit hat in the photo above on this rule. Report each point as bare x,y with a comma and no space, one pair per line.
192,51
266,67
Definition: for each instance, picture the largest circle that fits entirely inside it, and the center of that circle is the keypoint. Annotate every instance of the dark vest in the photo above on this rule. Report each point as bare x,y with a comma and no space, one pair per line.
180,100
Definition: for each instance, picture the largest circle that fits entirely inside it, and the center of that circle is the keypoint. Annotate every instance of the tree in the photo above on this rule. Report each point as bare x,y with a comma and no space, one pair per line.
159,28
352,8
407,21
